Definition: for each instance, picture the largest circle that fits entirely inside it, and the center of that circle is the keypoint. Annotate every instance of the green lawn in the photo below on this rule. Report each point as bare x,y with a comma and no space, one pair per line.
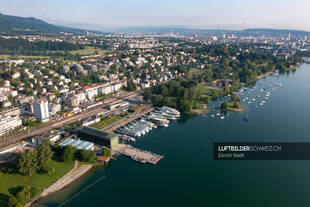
11,183
194,70
106,122
204,89
3,57
88,51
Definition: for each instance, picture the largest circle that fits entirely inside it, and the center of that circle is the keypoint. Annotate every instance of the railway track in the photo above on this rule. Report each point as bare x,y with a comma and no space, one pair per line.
56,124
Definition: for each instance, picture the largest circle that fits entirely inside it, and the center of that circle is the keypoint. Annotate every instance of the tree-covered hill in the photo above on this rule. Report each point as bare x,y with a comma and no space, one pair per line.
29,25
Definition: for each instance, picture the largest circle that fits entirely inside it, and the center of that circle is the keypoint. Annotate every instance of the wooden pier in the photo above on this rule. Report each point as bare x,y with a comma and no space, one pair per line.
137,154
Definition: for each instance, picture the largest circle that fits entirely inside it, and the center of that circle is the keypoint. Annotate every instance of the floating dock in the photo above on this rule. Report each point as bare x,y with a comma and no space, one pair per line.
137,154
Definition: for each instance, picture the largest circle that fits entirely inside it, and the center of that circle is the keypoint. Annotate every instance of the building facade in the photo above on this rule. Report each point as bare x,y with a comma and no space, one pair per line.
40,110
9,123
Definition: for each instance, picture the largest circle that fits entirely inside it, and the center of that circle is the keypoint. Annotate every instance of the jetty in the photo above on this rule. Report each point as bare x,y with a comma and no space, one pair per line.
141,111
138,155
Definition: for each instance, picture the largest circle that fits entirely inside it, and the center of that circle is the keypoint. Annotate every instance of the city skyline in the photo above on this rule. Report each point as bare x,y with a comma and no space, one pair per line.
210,14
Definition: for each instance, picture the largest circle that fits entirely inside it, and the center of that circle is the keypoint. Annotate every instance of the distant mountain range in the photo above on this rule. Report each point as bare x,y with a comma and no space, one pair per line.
22,25
29,25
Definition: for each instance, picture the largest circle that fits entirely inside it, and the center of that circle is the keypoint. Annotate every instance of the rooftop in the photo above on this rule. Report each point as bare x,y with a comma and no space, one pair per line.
97,132
77,143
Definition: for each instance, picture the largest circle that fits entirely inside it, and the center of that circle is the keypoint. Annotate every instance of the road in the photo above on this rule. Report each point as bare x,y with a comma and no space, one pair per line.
56,124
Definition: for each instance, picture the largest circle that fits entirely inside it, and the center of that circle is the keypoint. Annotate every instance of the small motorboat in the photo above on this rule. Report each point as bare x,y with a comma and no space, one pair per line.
245,119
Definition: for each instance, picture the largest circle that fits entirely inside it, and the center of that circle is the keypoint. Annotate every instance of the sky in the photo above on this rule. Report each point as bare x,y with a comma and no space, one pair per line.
207,14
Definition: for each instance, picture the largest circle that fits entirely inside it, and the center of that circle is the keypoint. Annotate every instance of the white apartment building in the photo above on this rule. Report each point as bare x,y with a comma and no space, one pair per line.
9,123
91,92
105,89
54,108
40,110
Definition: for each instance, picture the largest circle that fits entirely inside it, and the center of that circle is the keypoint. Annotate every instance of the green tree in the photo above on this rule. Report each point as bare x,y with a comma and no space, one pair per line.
24,195
224,105
235,98
68,153
157,100
226,90
45,154
27,162
147,94
237,105
13,202
214,95
106,152
131,86
86,155
11,99
185,105
206,100
164,91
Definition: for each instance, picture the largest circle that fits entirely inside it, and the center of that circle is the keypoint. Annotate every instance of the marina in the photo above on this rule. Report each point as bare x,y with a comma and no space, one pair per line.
253,97
143,123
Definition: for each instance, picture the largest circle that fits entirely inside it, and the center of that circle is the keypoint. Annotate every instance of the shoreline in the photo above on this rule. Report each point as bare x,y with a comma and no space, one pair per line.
75,173
264,75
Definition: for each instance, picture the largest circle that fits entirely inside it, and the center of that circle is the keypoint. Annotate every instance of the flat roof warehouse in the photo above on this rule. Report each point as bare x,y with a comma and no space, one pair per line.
77,143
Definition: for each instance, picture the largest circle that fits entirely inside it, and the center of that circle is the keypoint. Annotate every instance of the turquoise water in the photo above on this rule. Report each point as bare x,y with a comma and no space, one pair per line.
188,175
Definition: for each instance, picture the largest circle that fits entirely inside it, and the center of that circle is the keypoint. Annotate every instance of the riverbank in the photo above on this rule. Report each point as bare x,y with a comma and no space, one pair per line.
63,182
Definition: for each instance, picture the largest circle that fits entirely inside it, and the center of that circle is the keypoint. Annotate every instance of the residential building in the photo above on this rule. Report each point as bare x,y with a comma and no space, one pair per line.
40,109
8,123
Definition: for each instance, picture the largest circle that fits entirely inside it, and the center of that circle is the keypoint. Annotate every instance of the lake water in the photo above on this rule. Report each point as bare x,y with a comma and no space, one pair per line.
188,175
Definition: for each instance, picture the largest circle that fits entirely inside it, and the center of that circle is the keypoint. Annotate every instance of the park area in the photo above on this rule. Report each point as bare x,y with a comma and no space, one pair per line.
88,51
204,89
10,183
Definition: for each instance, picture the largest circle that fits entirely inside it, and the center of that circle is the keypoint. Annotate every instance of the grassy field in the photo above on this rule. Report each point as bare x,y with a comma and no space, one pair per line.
12,183
194,71
106,122
204,89
4,57
88,51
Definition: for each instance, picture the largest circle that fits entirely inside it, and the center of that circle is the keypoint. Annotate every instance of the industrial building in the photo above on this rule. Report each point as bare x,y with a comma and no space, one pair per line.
79,144
98,136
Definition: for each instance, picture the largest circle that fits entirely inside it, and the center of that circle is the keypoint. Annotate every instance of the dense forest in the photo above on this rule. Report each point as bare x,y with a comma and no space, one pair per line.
23,47
182,94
